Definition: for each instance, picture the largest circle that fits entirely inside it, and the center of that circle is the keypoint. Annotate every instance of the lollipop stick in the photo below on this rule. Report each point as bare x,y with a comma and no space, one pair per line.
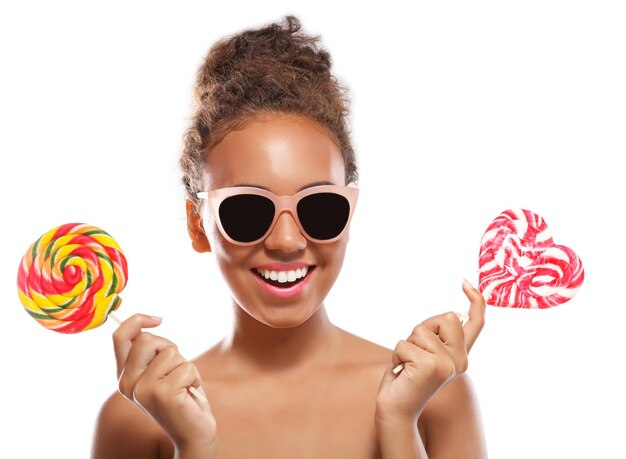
115,318
197,394
191,389
398,369
463,317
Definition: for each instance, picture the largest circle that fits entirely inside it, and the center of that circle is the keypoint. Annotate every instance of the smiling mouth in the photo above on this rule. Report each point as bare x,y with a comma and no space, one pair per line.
280,279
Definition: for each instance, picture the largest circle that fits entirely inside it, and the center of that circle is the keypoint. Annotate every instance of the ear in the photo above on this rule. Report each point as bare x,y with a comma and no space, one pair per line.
199,240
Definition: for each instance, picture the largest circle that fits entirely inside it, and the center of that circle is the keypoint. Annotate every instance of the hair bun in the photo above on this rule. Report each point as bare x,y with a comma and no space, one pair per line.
274,68
278,45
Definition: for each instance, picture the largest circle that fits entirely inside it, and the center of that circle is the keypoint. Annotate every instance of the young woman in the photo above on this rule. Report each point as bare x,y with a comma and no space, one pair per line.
270,176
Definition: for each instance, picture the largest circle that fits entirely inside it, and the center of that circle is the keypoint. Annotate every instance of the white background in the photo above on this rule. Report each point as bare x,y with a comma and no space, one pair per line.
460,111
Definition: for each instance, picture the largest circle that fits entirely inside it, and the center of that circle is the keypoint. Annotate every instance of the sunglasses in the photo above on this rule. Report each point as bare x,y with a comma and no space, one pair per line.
246,215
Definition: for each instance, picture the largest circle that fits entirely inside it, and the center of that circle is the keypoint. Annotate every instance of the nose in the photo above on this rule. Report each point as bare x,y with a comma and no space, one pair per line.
285,236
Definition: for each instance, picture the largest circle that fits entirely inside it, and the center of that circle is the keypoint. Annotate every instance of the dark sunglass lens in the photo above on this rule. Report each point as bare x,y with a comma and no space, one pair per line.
323,215
246,217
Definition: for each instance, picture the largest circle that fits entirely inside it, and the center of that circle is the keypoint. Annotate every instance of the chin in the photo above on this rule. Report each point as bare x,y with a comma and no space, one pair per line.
282,317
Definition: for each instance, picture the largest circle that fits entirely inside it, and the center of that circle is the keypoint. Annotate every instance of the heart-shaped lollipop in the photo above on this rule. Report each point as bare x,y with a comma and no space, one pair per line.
520,266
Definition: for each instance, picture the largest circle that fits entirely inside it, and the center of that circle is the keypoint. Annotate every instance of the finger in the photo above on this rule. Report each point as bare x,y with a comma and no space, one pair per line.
164,363
166,360
449,329
184,376
403,352
126,333
477,310
407,353
143,351
451,337
427,339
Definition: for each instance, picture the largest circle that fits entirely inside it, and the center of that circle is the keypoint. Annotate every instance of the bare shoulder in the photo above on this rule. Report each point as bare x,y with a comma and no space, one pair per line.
123,430
452,422
360,350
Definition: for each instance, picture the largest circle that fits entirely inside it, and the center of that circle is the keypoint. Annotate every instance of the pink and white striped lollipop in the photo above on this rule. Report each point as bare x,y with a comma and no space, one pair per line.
520,266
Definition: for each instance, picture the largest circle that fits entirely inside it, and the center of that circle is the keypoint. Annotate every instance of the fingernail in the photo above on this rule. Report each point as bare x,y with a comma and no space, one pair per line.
156,318
467,284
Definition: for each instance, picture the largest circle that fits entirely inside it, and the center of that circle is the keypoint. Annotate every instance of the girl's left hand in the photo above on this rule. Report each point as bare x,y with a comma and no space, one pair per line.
433,356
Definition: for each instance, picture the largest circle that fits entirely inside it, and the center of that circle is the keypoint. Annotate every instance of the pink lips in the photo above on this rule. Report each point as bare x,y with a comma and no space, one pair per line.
284,292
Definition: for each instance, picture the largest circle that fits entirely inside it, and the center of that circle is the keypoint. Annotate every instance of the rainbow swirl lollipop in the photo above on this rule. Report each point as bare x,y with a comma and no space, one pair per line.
69,279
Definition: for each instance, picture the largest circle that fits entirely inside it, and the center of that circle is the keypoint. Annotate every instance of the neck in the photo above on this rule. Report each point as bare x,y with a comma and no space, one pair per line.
257,347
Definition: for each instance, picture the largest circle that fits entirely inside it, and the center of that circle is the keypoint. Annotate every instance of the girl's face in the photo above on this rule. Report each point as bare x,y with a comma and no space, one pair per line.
283,154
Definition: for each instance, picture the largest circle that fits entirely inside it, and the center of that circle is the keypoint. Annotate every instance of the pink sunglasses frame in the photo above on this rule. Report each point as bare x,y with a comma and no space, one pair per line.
281,204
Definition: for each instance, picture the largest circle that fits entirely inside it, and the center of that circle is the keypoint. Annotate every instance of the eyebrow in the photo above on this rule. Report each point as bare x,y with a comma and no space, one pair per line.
322,182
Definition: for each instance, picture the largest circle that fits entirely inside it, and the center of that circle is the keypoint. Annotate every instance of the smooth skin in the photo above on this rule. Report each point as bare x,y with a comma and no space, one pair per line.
286,382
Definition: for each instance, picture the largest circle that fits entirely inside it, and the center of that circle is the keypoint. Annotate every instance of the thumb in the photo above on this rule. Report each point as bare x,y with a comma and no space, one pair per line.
476,320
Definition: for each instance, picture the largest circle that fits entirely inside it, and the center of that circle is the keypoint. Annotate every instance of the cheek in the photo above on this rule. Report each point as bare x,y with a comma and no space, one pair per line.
229,256
332,258
221,248
231,265
336,251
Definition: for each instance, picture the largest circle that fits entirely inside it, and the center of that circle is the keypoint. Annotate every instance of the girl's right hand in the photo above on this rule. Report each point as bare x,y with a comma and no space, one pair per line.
153,375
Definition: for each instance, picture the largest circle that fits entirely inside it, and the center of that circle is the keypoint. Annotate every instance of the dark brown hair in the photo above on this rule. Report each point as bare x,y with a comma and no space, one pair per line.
273,69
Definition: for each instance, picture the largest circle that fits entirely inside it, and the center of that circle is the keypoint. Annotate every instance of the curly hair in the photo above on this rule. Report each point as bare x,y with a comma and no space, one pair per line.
273,69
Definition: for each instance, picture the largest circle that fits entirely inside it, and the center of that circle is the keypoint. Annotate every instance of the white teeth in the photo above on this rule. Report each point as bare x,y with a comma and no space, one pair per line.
284,276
